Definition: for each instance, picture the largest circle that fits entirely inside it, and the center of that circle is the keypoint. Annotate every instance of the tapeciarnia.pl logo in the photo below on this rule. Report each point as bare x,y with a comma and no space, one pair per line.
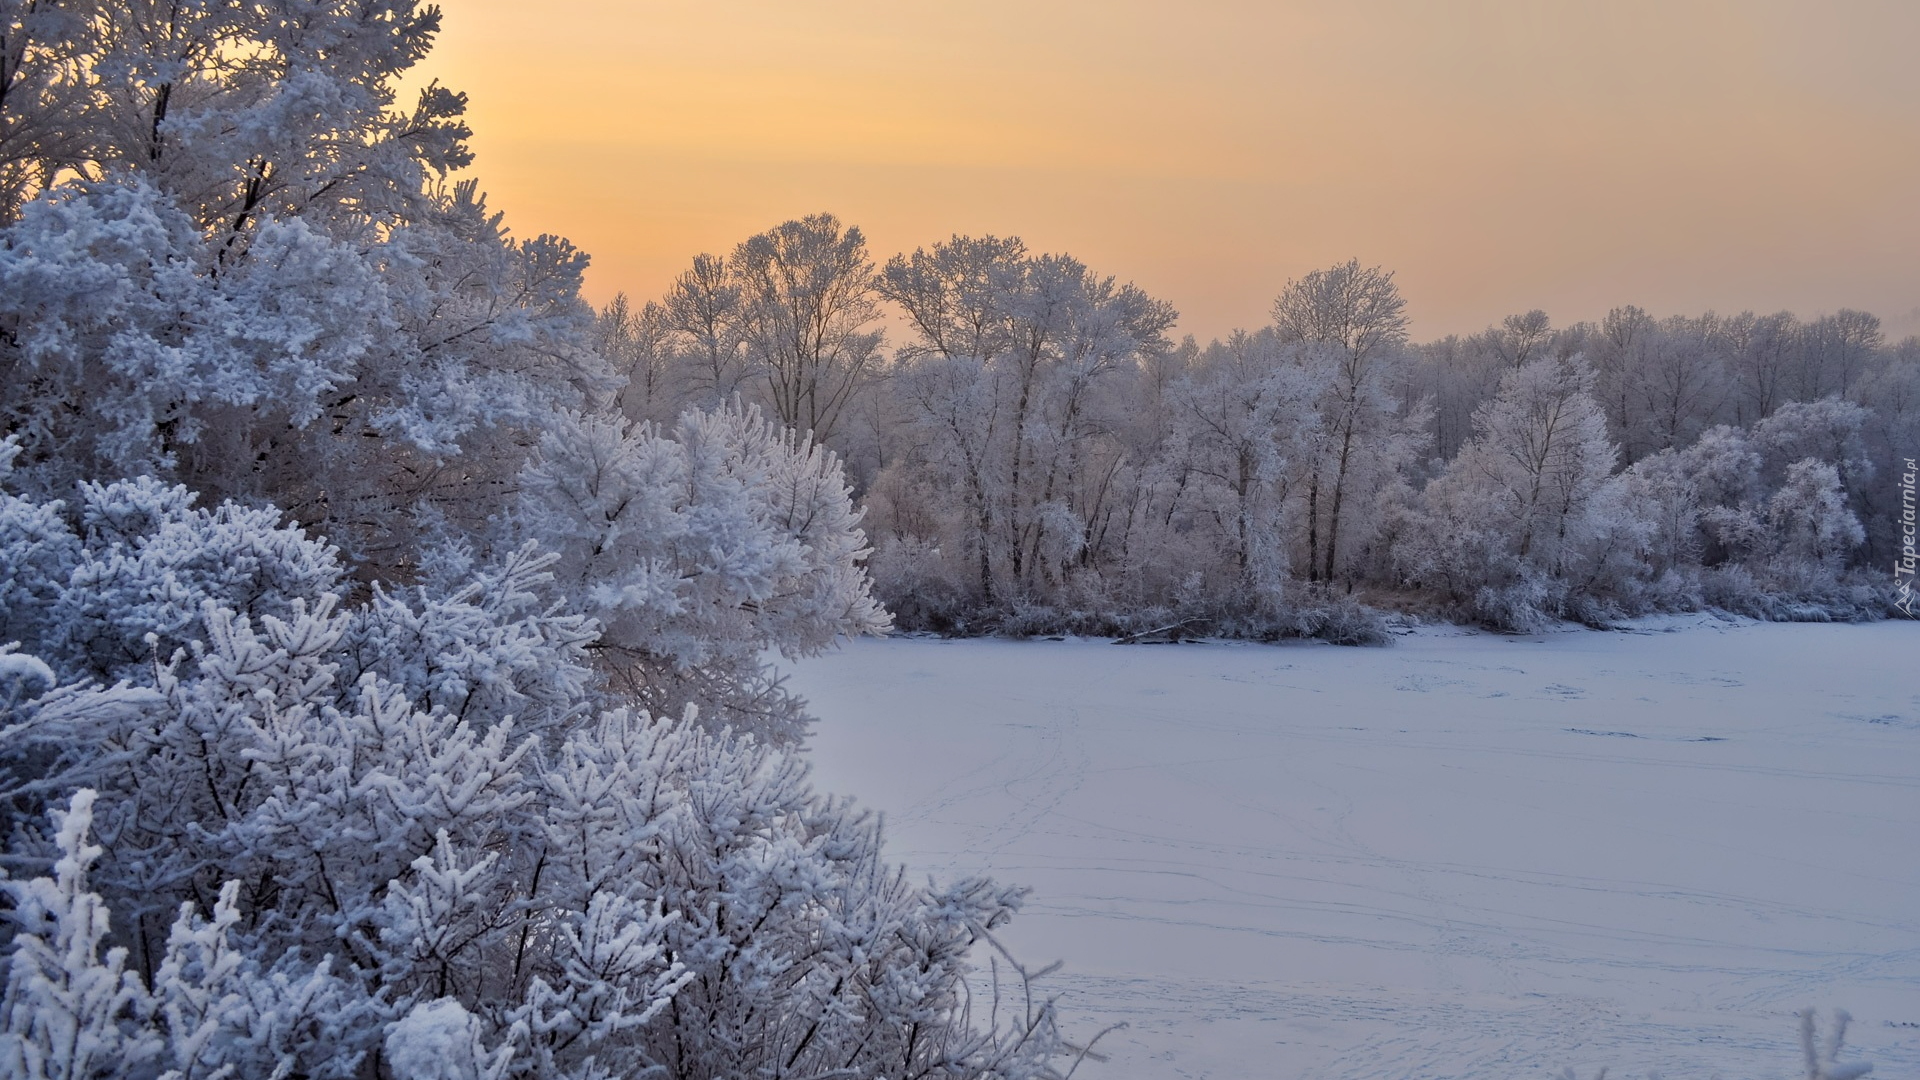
1904,566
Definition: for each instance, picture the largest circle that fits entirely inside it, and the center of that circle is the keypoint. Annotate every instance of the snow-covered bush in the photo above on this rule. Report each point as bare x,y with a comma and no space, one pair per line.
916,583
698,550
1505,528
69,1010
1331,615
1787,556
1529,524
375,812
72,1011
1822,1057
1810,529
1773,548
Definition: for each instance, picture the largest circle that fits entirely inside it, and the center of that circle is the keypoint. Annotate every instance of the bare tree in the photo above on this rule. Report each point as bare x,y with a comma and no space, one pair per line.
807,297
1836,351
1619,356
638,346
957,295
1521,338
705,309
1683,386
1020,379
1760,353
1358,314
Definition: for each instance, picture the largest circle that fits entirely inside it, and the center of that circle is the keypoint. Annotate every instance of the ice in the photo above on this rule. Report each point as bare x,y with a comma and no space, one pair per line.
1464,855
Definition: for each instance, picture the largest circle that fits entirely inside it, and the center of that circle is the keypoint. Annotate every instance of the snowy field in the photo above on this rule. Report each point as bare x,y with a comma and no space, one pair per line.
1462,856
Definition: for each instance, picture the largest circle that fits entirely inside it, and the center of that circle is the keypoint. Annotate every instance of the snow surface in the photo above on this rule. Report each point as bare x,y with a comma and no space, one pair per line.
1464,855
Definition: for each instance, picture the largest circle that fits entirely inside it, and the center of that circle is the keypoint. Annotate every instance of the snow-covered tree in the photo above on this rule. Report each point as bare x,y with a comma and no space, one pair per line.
1811,528
706,309
45,103
393,805
1890,432
701,549
244,270
1247,423
1508,519
1357,318
1835,352
410,818
1760,355
972,523
130,353
807,310
1827,430
638,348
1016,390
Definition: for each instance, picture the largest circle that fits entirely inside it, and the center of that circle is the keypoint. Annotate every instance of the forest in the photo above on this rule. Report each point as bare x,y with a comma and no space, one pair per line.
1035,455
384,632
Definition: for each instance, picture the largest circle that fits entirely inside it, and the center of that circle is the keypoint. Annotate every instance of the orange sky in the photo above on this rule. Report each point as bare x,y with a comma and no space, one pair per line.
1499,155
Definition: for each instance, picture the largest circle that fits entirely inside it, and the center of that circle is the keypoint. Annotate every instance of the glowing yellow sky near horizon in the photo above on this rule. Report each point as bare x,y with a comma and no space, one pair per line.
1499,155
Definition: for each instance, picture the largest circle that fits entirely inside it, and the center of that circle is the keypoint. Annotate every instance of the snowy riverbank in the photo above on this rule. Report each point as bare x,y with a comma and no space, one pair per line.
1465,855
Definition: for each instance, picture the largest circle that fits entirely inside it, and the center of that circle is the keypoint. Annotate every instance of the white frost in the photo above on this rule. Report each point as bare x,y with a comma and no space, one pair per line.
437,1040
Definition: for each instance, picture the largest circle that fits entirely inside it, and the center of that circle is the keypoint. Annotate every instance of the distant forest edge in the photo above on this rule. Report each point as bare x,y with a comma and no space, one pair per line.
1037,455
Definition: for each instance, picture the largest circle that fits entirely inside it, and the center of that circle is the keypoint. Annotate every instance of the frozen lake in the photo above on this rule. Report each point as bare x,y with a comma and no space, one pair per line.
1464,855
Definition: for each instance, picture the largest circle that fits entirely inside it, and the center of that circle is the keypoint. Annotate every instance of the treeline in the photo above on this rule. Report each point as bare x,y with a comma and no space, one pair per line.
1034,453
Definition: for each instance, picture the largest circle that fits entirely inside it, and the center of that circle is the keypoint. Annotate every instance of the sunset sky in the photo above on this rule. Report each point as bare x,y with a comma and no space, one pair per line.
1499,155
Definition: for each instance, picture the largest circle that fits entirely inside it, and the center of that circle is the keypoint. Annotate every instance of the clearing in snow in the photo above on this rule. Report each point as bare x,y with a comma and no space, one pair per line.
1465,855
